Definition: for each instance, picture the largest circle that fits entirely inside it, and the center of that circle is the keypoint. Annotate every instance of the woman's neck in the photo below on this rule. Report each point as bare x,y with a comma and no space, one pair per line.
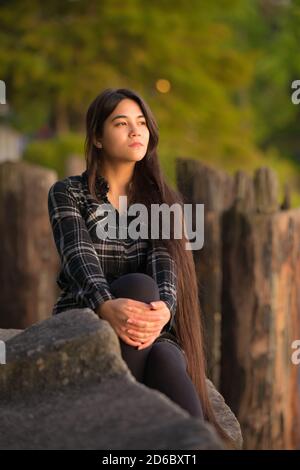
118,178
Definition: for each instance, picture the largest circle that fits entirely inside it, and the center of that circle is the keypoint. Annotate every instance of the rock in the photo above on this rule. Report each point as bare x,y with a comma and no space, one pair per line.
66,386
68,348
8,333
224,415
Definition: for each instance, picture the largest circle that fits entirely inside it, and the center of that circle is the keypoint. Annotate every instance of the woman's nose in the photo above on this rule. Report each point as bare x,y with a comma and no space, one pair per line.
134,130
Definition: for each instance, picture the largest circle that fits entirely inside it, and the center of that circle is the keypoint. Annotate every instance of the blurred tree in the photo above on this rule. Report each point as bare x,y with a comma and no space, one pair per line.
229,64
271,28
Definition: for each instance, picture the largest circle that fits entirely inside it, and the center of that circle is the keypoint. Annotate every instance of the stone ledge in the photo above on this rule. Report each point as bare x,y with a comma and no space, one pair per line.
72,347
66,386
118,413
6,334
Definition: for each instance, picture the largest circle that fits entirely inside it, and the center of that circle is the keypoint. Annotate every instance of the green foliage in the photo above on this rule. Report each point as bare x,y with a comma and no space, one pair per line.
230,65
52,153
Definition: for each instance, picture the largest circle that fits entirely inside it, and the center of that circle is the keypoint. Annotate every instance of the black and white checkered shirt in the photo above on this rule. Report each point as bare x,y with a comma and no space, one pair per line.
90,264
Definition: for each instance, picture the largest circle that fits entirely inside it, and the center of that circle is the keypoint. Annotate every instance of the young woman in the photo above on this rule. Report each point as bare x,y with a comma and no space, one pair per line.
145,288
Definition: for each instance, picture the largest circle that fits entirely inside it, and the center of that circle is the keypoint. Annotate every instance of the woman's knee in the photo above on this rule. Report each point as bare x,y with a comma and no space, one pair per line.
135,359
166,355
136,286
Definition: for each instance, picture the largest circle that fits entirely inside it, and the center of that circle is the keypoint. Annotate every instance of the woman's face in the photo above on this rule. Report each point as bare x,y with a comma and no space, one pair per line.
123,127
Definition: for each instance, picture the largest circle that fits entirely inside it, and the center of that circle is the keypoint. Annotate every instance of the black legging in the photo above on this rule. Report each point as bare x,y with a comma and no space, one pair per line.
162,365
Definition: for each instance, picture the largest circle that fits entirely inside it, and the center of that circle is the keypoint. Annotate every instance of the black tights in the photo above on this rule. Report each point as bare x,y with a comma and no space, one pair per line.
162,365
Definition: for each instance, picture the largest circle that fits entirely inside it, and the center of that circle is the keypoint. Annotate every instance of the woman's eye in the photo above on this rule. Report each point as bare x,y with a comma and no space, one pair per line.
121,123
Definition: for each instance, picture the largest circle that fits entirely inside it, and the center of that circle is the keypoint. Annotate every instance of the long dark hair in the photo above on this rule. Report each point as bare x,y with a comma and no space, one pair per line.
149,187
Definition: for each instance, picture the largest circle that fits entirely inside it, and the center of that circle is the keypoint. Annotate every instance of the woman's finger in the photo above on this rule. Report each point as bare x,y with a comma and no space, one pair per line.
137,322
129,341
138,304
146,316
143,337
148,343
141,334
141,326
136,336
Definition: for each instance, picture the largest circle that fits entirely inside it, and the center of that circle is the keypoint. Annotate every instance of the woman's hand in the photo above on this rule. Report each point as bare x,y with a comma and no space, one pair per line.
138,325
118,311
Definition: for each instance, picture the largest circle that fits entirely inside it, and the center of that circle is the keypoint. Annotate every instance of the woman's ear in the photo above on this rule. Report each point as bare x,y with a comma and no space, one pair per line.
97,143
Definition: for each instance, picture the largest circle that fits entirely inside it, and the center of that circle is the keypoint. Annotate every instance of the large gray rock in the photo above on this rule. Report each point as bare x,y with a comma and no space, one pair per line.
71,348
66,386
8,333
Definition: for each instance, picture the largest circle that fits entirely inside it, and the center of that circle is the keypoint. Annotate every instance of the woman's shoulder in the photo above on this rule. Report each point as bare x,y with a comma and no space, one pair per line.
73,184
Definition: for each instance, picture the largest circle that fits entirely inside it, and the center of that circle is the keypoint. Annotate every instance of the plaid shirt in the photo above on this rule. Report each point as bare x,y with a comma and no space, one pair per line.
89,264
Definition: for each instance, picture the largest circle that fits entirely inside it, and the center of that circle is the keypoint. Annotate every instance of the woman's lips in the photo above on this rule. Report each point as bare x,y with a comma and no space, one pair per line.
136,144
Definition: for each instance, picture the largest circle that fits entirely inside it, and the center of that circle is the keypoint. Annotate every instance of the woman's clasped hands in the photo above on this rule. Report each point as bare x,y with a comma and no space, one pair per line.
136,323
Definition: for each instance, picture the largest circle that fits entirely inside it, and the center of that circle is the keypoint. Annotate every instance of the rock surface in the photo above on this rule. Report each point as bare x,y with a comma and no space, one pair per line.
66,386
8,333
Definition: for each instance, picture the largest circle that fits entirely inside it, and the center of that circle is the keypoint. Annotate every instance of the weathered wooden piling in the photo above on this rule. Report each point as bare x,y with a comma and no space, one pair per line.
260,316
28,259
249,272
200,184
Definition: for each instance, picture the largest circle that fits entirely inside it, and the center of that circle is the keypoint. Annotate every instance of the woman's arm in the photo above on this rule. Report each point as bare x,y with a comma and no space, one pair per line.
161,267
78,256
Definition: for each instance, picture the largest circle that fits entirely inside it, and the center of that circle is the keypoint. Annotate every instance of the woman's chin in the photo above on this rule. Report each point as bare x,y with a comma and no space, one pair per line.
134,158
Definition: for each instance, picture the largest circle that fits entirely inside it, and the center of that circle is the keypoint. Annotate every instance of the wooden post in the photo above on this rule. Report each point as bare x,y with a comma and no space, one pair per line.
28,260
201,184
261,315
